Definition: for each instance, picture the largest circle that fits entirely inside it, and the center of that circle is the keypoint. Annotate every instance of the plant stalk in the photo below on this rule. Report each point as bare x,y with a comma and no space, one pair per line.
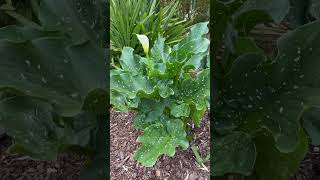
149,64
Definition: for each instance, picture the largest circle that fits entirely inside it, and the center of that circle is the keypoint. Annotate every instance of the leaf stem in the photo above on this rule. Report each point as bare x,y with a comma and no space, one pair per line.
149,64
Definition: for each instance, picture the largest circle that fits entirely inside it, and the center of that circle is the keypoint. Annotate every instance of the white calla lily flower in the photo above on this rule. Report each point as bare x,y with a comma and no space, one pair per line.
144,40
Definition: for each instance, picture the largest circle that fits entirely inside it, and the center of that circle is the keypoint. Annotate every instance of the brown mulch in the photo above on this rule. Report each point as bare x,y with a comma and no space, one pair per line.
309,166
15,167
180,167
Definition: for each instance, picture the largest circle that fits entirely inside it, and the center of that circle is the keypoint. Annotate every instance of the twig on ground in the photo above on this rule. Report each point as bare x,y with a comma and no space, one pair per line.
120,165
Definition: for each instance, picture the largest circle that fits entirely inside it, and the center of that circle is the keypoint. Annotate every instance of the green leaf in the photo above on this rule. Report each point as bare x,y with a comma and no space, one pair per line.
31,123
81,20
196,114
97,169
47,68
298,14
194,42
234,153
159,139
150,112
164,88
315,9
311,124
160,51
277,9
180,110
21,34
272,164
129,62
195,91
35,127
258,95
124,88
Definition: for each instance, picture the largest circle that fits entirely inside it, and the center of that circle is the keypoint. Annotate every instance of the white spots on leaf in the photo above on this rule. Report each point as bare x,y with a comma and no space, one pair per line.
93,25
296,59
23,76
299,50
281,109
28,62
74,95
44,80
68,19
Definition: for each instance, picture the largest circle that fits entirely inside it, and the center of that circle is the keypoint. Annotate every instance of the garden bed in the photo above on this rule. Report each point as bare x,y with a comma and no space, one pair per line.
15,167
182,166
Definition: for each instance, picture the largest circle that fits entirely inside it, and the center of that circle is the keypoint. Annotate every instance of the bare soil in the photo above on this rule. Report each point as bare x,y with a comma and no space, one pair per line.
16,167
180,167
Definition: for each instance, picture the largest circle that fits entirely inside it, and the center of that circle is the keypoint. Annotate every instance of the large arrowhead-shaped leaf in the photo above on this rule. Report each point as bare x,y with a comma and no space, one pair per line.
48,69
31,124
234,153
194,42
159,139
275,165
82,20
129,62
38,131
180,110
277,9
150,112
160,51
124,88
195,91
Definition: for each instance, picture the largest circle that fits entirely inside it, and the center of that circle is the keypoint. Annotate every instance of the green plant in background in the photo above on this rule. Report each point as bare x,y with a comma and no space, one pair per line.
53,83
193,11
148,17
167,88
10,9
265,109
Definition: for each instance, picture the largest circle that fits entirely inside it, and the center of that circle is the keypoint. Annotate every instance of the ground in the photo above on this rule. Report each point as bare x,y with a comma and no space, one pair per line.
180,167
15,167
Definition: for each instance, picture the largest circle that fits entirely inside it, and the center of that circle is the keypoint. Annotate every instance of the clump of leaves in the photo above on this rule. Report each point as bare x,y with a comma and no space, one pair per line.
265,109
53,82
168,89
